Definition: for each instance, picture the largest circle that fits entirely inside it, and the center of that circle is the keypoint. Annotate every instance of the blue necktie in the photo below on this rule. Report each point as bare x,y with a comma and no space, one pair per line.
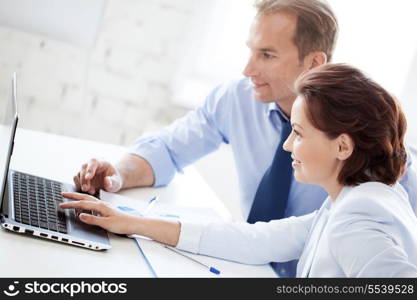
272,194
271,197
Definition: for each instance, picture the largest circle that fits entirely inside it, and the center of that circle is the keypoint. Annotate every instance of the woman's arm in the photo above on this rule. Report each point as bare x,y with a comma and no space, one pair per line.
259,243
115,221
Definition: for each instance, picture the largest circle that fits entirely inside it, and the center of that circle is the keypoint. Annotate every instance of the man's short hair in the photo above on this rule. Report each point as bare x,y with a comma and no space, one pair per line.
316,28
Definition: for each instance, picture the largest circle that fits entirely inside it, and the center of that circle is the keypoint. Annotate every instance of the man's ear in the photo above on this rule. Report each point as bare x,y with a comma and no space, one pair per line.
345,146
315,59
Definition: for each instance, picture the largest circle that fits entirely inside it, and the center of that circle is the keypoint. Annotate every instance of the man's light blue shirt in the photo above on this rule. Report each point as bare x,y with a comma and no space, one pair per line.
232,115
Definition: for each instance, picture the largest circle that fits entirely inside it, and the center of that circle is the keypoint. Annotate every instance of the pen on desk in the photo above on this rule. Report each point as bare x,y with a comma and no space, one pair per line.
211,269
151,203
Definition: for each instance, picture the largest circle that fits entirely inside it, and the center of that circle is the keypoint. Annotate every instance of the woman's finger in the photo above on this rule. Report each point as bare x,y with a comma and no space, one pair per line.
78,196
96,206
92,220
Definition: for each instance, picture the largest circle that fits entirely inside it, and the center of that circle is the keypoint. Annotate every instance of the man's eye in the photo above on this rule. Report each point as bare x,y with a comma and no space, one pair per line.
267,55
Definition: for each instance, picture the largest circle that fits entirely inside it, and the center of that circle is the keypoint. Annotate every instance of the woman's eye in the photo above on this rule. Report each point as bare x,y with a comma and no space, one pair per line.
267,55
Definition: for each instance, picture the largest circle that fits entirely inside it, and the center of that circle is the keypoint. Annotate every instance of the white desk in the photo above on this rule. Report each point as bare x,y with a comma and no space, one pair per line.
59,158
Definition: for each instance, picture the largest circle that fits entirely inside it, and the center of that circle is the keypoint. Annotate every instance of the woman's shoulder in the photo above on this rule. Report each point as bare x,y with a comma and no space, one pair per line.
379,188
373,201
375,192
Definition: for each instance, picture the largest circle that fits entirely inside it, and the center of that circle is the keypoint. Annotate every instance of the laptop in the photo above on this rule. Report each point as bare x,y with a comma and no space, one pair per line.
30,204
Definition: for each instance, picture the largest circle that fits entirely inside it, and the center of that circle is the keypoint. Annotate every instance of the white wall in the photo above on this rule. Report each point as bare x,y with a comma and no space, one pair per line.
112,91
379,36
73,21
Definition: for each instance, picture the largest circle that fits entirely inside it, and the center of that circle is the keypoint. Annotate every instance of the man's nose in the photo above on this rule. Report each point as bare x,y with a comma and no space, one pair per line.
250,70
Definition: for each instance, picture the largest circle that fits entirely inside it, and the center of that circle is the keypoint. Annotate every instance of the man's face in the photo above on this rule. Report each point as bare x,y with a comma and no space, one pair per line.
273,64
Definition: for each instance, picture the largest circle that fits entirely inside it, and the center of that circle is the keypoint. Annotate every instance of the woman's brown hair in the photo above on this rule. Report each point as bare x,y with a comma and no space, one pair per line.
341,99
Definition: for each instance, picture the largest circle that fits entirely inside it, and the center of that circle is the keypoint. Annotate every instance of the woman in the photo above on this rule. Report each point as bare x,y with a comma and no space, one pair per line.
348,138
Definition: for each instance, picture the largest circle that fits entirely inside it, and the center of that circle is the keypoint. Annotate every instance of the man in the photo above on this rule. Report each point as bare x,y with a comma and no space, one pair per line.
287,38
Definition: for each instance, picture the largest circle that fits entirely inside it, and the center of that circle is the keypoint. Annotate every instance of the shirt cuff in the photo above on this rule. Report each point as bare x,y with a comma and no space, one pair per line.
154,152
190,236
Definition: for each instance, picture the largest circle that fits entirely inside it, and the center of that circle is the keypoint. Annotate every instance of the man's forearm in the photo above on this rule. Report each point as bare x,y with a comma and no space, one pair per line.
135,172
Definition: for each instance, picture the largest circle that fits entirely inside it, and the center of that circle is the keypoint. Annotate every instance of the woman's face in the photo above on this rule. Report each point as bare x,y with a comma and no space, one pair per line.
315,157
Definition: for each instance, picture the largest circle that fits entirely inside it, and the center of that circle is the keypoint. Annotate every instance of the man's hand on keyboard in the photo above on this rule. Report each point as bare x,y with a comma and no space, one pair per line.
96,175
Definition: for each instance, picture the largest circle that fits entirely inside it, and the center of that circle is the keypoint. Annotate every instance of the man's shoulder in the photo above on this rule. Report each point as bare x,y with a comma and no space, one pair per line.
235,96
235,89
411,154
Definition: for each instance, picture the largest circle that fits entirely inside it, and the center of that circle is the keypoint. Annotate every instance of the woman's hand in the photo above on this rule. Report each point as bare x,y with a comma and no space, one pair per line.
110,218
115,221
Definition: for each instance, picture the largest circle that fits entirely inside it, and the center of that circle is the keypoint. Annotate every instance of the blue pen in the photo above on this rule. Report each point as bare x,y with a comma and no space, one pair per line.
211,269
151,203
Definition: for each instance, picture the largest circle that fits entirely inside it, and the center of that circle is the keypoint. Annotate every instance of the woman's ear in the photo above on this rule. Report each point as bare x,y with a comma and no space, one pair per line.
345,146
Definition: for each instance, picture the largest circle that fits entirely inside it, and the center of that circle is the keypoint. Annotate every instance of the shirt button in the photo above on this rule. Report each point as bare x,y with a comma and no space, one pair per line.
282,271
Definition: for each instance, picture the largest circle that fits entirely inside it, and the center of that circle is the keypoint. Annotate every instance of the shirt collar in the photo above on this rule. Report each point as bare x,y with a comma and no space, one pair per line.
274,107
342,195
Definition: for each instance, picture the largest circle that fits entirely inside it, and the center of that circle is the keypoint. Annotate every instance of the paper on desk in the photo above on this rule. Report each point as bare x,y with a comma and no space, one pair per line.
162,210
169,264
164,262
116,200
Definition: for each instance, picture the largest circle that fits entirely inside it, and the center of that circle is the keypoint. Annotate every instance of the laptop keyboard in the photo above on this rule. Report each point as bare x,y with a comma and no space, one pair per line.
36,202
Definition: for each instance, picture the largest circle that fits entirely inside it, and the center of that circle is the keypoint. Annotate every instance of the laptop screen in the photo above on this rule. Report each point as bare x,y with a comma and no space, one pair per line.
8,123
